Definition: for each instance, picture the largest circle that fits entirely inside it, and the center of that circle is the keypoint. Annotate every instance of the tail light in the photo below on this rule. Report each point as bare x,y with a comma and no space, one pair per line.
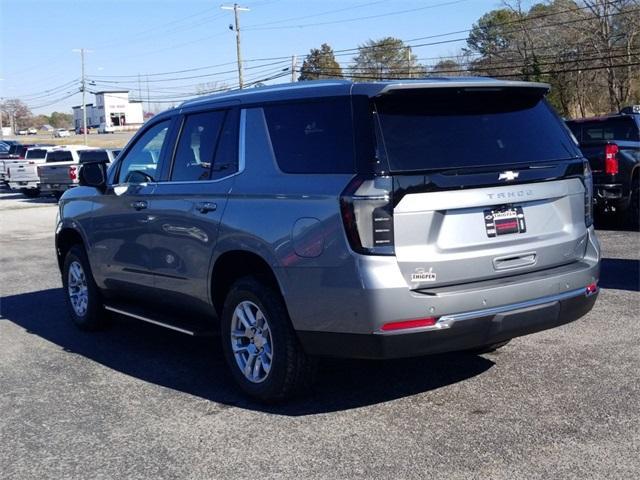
404,324
73,173
367,214
588,193
611,159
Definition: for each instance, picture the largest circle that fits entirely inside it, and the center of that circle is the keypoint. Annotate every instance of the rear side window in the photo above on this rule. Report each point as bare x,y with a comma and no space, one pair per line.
197,145
36,153
453,128
93,156
312,137
620,128
59,156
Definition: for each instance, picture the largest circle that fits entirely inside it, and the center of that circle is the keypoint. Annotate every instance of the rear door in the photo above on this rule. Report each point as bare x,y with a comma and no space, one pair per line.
480,187
188,204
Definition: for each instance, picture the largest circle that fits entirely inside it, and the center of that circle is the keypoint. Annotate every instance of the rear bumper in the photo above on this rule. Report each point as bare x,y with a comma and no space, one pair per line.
23,185
455,332
610,194
56,187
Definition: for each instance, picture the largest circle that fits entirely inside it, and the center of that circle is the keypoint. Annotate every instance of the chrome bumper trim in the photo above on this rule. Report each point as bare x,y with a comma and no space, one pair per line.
446,321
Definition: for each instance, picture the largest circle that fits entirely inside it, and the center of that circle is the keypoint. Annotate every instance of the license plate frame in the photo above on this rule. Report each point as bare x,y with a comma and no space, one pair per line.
507,220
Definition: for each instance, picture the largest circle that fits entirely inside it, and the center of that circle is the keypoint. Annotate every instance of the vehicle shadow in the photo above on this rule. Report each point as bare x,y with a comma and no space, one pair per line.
196,366
611,222
9,195
620,274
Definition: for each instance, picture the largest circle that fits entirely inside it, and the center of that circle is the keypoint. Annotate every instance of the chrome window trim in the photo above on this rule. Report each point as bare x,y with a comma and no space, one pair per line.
447,321
241,159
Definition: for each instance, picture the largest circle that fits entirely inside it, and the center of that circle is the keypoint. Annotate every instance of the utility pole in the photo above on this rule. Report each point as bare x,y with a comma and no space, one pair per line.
148,98
139,89
236,9
1,130
294,60
83,88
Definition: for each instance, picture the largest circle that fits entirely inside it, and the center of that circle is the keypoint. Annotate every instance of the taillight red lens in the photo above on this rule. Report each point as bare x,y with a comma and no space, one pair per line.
403,324
367,214
591,289
73,173
611,158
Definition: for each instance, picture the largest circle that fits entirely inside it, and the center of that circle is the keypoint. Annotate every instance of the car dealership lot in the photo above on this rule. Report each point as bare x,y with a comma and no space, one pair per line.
139,401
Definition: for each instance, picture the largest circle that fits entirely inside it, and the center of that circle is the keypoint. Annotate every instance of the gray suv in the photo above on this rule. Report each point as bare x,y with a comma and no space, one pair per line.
368,220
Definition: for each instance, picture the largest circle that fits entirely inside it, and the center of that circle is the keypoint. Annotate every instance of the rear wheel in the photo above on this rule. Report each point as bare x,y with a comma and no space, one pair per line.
259,344
81,292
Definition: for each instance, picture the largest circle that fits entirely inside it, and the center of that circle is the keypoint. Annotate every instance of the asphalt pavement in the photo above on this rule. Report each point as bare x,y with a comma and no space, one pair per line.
138,401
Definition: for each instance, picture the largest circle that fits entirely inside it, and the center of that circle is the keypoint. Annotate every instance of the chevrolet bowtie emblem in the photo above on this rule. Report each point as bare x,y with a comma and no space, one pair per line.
508,176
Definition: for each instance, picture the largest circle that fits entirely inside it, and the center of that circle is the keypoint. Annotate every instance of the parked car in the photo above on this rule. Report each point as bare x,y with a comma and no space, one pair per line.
60,170
367,220
5,147
61,132
104,128
612,145
17,152
22,131
32,131
23,175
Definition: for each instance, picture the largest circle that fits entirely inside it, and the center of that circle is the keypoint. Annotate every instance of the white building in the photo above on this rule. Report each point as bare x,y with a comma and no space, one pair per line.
113,109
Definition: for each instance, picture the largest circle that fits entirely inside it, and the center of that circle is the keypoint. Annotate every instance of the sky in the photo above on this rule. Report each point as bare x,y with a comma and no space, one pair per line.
130,41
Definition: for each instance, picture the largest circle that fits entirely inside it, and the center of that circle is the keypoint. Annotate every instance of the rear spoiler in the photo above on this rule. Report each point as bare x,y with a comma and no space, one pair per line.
466,84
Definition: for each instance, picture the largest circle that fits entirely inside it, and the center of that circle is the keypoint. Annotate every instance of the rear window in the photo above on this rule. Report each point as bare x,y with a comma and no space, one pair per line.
93,156
14,149
59,156
617,128
456,128
312,137
36,153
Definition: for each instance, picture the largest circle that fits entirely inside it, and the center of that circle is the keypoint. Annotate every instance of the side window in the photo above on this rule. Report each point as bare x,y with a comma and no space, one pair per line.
226,162
196,147
312,137
141,162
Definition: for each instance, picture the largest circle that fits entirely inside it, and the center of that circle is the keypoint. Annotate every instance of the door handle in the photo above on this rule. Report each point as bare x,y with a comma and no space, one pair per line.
139,205
206,207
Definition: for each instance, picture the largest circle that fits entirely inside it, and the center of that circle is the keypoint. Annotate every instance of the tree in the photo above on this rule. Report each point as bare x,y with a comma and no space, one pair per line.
320,64
17,112
60,120
386,58
448,68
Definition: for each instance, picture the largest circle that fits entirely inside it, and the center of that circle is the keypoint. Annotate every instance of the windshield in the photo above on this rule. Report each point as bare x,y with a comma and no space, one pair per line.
36,153
602,130
93,156
59,156
453,128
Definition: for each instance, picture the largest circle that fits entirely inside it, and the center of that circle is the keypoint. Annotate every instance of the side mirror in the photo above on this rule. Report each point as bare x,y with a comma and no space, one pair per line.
93,174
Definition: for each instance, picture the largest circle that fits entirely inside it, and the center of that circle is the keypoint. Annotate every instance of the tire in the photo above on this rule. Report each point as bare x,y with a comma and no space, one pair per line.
289,371
57,195
489,348
31,192
81,292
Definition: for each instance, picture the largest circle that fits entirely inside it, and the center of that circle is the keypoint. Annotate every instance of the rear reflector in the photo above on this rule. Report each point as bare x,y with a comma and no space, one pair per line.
421,322
591,289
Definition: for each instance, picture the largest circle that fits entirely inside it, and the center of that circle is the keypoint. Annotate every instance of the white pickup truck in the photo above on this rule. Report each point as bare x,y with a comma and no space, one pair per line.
23,175
60,170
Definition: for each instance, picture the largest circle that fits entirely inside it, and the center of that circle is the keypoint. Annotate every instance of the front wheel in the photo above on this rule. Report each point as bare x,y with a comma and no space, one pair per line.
259,344
31,192
81,292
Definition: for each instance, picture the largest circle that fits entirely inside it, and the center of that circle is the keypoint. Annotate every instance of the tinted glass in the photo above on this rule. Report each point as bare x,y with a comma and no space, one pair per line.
620,128
458,128
196,147
312,137
141,161
14,149
59,156
226,162
36,153
93,156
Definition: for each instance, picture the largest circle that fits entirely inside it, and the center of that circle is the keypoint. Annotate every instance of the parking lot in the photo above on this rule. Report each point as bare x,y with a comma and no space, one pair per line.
137,401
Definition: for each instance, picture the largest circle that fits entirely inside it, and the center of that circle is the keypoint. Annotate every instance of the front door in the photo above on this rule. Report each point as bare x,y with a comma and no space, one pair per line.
120,239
